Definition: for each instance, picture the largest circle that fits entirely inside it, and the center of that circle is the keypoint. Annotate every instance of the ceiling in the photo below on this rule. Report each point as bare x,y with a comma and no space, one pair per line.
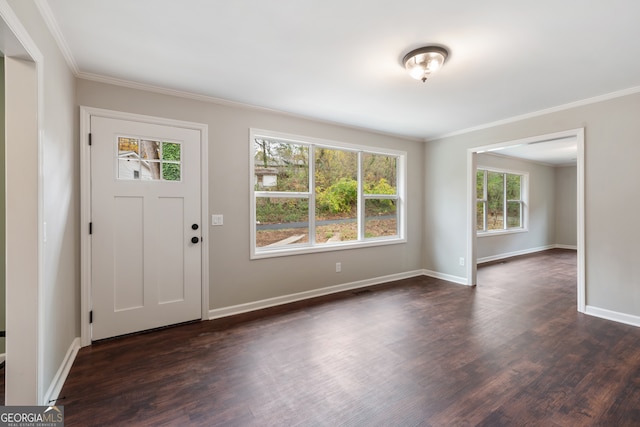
556,152
339,61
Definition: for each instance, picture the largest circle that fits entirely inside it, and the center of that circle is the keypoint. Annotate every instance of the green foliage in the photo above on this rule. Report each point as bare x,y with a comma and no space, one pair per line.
171,171
380,206
377,167
497,183
341,197
334,165
335,178
170,151
380,187
276,211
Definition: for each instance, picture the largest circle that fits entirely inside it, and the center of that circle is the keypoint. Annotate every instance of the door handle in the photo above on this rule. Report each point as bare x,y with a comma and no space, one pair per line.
195,239
194,227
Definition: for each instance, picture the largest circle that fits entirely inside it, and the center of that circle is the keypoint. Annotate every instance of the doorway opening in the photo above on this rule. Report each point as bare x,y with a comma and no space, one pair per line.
472,210
23,75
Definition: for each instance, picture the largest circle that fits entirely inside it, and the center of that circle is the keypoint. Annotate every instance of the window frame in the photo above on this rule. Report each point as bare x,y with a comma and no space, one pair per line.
312,246
524,202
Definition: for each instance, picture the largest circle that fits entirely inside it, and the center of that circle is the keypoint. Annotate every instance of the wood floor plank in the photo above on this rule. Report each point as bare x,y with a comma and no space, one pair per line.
417,352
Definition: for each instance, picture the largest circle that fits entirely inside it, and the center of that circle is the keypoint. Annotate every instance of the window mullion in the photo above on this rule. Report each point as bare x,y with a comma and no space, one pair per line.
504,201
360,203
312,195
485,197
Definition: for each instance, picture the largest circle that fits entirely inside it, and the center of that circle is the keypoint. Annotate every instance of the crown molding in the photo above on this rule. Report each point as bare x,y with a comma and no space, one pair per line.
235,104
563,107
54,28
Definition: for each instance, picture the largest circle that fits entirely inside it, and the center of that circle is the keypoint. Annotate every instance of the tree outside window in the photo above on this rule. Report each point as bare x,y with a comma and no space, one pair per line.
499,200
307,194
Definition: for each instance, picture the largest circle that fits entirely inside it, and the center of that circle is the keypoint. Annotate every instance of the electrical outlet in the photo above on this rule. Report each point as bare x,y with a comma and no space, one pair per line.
461,261
338,267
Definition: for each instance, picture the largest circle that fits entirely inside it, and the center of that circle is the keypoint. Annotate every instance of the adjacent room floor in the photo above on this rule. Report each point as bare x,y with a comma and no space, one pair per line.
421,351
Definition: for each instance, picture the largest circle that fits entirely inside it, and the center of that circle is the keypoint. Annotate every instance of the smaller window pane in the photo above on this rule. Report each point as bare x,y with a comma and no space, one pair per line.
379,172
280,166
381,218
128,168
343,229
480,217
171,171
281,221
149,150
514,217
150,170
127,146
480,185
336,195
171,151
495,200
513,187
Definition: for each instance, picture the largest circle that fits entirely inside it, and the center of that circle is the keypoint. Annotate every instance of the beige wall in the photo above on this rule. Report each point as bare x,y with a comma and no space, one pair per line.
611,180
2,210
541,209
57,299
234,278
566,206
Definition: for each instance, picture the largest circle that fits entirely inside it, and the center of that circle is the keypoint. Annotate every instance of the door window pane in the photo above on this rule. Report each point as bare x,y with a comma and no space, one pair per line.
171,151
171,171
147,160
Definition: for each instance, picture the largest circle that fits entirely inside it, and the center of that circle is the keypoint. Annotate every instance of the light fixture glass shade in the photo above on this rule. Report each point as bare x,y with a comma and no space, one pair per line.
421,63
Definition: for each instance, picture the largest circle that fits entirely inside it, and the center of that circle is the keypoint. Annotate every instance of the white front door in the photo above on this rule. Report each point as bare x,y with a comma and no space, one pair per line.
145,226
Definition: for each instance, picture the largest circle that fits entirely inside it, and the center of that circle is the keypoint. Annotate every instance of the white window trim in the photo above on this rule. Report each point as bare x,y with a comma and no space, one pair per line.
524,197
307,248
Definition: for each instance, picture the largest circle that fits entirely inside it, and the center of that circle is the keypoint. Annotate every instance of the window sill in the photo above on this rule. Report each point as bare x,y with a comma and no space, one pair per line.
501,232
327,247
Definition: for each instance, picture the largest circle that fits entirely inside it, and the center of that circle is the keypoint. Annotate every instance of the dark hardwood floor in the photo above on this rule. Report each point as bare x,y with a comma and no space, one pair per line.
418,352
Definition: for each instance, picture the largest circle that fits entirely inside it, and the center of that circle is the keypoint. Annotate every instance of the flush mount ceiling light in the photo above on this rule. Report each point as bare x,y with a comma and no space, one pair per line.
422,62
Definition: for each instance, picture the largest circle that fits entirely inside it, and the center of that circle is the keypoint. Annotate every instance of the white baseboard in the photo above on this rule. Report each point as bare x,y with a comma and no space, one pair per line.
602,313
524,252
448,277
61,376
571,247
285,299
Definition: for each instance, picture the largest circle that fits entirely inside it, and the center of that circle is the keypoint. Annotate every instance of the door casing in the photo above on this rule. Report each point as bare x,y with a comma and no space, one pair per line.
85,205
577,133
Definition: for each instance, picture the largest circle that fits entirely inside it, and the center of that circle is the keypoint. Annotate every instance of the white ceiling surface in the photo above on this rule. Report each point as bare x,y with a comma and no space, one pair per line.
339,60
559,152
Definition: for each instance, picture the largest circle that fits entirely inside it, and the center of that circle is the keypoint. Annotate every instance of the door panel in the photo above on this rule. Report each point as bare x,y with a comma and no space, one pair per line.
145,196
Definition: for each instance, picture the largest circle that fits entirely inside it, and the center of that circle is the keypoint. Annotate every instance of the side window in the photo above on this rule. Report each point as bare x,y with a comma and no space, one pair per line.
500,201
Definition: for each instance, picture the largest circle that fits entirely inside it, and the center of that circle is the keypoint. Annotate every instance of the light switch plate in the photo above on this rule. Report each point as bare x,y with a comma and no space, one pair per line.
217,219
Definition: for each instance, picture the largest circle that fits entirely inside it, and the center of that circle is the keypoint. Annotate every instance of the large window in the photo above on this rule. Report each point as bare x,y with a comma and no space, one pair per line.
311,195
501,201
